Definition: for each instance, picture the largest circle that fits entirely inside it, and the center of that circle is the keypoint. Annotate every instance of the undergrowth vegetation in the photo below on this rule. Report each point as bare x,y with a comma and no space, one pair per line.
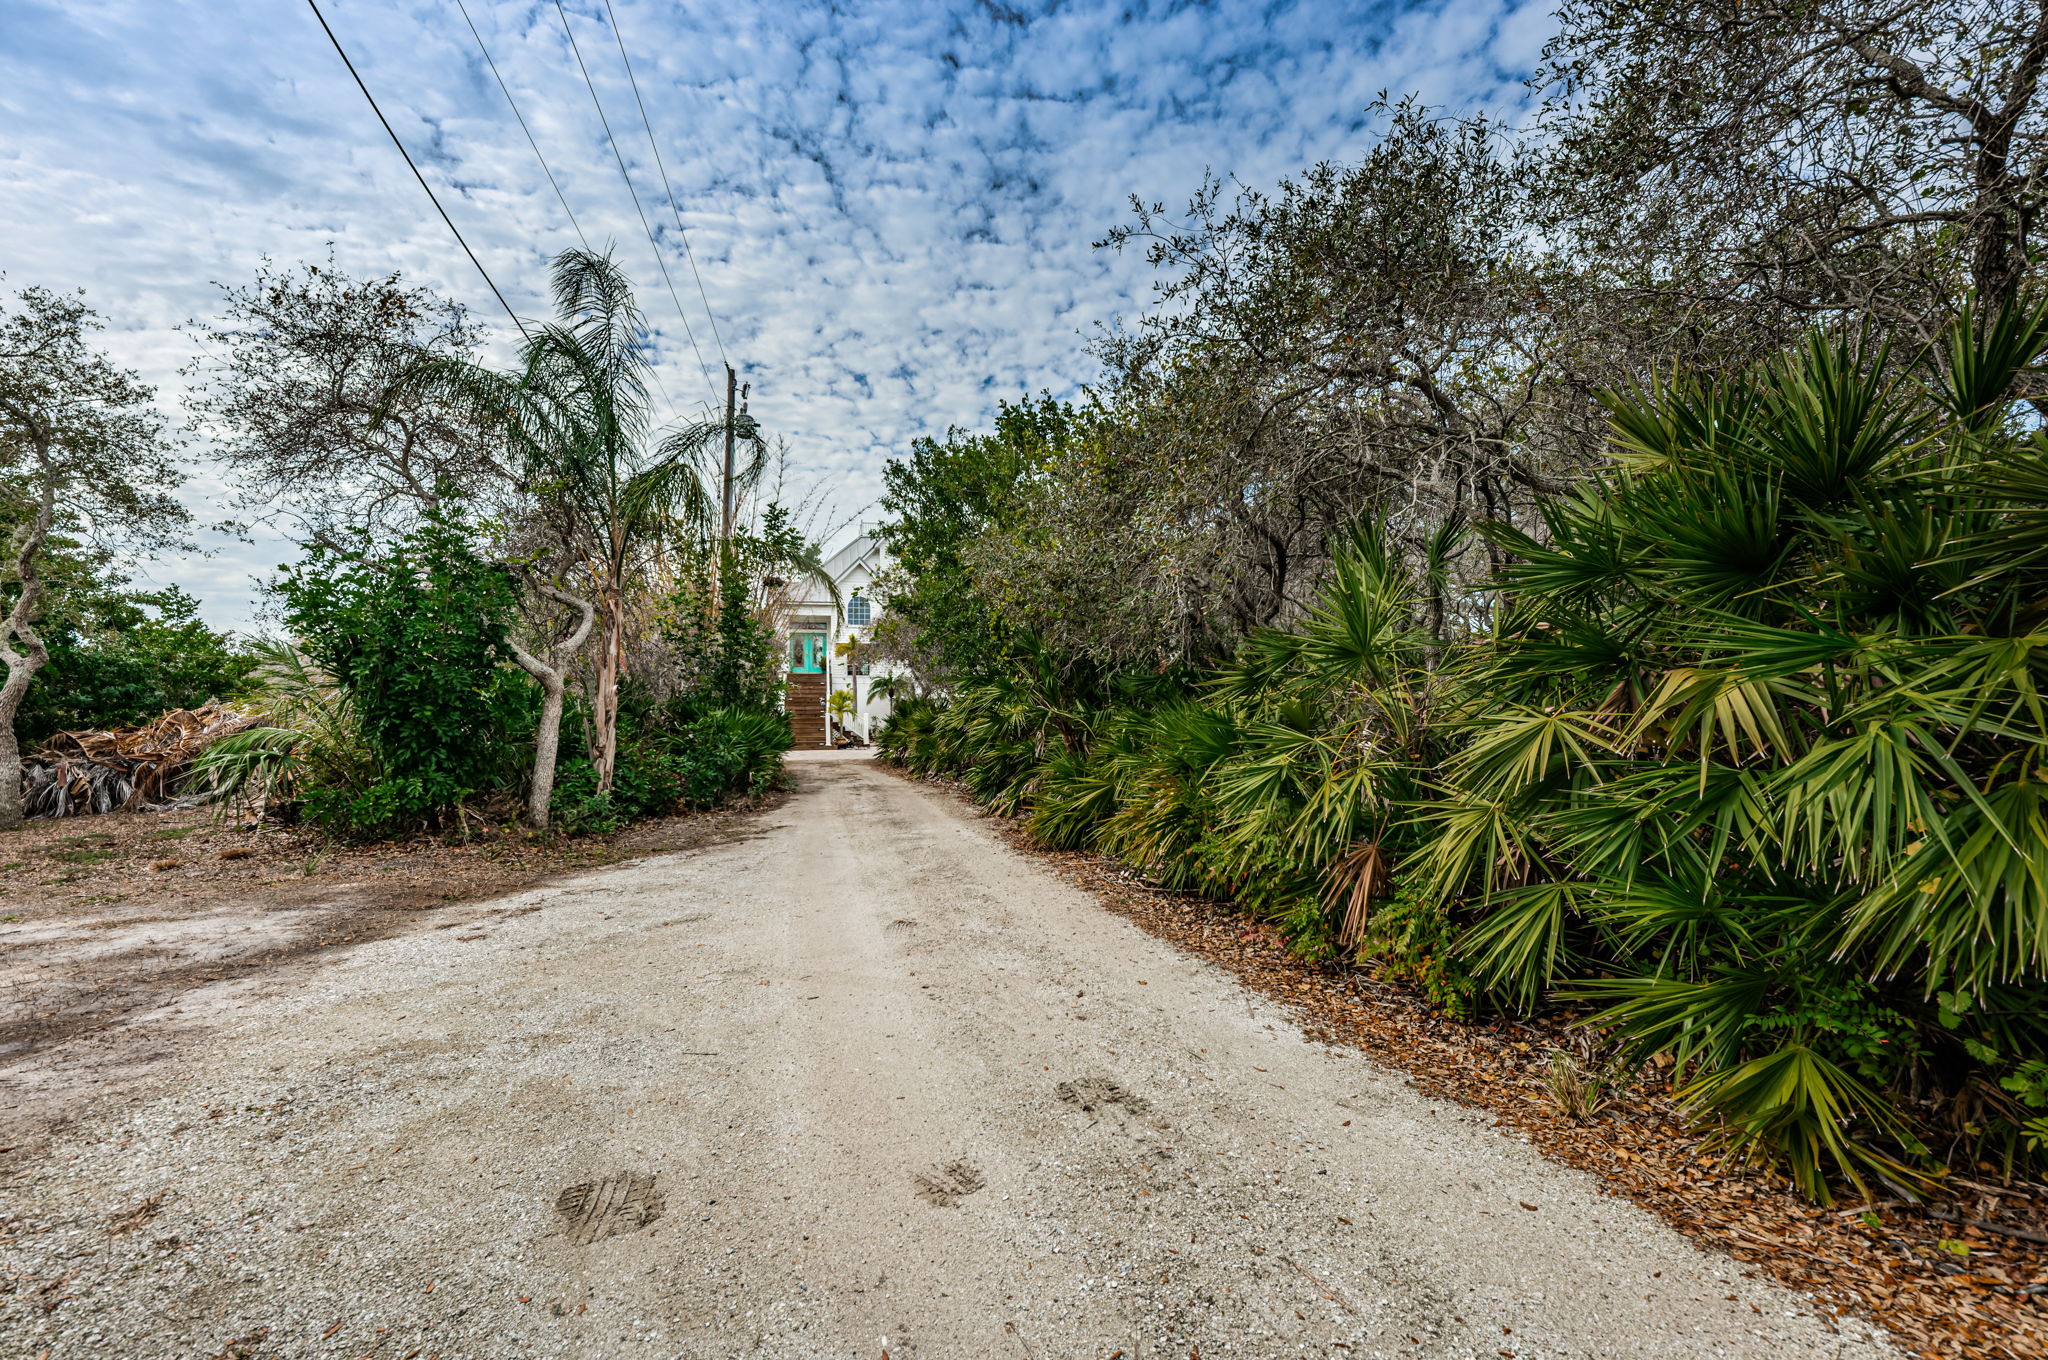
495,564
669,766
399,710
574,612
1743,748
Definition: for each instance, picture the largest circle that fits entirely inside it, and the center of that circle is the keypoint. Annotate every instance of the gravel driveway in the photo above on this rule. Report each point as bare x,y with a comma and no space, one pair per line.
865,1082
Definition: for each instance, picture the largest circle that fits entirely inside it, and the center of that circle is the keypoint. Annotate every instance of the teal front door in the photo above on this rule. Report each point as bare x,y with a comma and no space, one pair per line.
807,653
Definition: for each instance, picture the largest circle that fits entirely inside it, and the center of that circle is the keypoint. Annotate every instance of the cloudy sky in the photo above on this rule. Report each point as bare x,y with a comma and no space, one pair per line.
890,205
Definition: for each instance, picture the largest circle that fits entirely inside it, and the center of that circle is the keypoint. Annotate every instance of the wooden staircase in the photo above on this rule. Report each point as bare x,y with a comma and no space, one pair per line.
804,702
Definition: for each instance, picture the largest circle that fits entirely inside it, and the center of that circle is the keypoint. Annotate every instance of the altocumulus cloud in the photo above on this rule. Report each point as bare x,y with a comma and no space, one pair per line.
891,204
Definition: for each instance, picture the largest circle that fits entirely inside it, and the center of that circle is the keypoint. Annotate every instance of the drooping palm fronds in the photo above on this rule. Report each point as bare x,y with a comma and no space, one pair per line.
1761,733
305,732
251,765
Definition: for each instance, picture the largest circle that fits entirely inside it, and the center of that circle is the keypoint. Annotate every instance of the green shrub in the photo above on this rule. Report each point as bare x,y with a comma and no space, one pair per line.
1414,941
414,635
724,753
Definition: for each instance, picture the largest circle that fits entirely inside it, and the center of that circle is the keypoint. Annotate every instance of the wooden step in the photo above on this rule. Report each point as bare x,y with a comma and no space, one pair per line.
804,703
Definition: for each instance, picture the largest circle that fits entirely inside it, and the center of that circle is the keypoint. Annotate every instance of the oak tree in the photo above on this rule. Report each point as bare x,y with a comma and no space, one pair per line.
85,452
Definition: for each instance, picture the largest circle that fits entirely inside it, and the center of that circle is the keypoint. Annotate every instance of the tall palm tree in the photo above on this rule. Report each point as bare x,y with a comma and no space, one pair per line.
610,485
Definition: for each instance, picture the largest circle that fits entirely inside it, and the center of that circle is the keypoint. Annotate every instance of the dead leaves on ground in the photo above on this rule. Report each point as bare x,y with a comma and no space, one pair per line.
129,1220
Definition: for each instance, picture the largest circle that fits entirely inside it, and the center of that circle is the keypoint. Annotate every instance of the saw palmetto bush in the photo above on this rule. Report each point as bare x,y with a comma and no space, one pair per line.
1279,784
1334,730
1754,759
906,736
1086,792
1160,757
999,735
1745,750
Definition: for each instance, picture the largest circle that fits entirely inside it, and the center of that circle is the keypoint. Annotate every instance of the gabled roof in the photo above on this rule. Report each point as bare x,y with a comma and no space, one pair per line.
852,555
863,549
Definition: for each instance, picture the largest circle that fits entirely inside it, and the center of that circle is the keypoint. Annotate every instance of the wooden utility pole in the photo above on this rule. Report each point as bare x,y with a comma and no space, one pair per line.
731,415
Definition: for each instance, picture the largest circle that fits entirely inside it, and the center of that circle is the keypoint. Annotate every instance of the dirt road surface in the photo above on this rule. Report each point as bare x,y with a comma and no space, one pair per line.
865,1082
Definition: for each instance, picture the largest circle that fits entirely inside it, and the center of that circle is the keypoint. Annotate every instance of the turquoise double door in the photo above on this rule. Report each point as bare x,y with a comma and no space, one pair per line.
807,653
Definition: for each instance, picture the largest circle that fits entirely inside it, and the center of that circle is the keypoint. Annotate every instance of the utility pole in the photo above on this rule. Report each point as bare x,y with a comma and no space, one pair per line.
731,394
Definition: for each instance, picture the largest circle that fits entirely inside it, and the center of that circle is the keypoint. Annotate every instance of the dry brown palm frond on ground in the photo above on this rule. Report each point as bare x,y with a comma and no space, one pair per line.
77,774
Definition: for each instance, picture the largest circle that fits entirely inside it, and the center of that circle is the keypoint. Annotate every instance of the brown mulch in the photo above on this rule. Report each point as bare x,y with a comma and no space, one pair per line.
1941,1288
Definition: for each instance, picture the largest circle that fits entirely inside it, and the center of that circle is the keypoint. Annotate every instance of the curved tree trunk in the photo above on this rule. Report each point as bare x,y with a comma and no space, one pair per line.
550,673
21,668
20,646
547,744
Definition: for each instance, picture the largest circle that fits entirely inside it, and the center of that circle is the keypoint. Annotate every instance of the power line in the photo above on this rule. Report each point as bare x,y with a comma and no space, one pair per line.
546,169
514,104
432,197
655,147
617,155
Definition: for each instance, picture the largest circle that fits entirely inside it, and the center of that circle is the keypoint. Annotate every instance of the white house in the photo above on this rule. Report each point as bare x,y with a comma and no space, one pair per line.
821,661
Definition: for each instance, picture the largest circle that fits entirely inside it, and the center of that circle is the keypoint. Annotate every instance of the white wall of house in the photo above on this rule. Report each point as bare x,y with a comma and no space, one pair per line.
853,569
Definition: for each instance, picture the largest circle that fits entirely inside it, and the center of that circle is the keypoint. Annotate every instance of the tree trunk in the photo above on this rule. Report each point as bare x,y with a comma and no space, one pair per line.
547,739
21,668
2001,245
605,714
31,656
547,744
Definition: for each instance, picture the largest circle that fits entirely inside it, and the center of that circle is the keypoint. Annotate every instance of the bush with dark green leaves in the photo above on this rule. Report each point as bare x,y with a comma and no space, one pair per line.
720,754
414,635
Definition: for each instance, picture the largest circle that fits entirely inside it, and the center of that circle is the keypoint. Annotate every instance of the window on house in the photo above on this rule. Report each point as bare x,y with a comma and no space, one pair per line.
858,611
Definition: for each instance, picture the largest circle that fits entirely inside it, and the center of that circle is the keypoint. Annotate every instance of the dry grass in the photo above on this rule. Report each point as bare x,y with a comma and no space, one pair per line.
1580,1092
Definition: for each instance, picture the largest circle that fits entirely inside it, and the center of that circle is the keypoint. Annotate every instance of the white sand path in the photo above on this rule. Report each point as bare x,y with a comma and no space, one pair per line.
865,1081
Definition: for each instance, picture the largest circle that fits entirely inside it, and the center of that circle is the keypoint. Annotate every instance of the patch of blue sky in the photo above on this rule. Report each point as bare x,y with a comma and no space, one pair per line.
900,188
